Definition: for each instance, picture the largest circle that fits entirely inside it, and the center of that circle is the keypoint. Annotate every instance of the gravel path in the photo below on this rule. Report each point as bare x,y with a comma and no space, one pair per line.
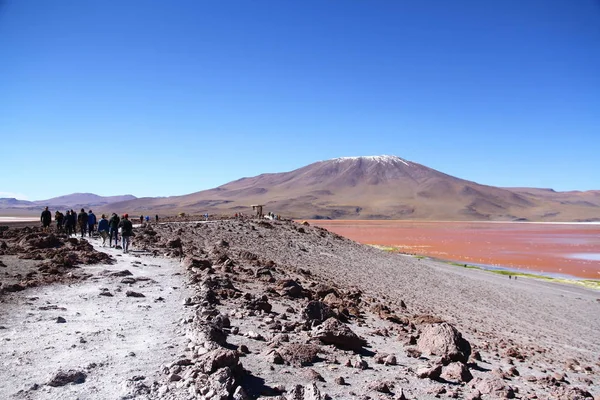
118,341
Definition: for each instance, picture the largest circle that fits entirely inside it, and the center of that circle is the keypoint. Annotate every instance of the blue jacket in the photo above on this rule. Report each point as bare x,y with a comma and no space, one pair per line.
91,219
103,225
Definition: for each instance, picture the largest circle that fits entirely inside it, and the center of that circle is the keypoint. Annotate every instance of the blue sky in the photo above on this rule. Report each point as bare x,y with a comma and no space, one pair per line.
157,98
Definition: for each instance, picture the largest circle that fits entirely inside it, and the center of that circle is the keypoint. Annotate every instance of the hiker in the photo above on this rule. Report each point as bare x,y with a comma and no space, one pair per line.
74,221
59,218
156,217
113,229
46,219
141,219
91,222
82,220
103,229
126,232
67,223
147,218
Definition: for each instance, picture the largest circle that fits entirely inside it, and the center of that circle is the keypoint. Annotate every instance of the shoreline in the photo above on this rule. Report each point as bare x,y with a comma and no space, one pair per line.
502,270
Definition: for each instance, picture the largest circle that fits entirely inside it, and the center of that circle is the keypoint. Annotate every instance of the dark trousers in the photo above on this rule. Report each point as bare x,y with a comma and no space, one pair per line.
114,233
90,229
82,226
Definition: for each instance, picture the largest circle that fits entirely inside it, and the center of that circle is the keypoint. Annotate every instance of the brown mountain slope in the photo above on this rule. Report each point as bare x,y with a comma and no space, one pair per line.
382,187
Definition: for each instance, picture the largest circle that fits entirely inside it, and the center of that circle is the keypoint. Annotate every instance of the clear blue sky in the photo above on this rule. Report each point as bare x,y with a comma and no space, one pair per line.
157,98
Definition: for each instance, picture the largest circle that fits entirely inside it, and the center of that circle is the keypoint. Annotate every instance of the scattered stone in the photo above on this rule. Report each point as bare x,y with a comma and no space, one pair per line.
340,380
432,373
493,386
381,386
358,362
317,311
300,355
390,360
457,372
338,334
308,392
131,293
62,378
60,320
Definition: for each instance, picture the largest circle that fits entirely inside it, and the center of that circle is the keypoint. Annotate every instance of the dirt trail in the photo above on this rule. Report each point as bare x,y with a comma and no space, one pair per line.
118,341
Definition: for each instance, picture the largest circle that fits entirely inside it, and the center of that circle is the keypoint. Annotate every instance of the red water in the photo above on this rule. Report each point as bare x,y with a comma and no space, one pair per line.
565,249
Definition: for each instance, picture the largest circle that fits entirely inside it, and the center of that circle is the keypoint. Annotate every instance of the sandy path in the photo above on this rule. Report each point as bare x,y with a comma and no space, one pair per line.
112,339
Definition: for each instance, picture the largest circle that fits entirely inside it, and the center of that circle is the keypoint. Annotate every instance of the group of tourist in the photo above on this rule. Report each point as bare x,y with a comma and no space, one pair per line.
87,223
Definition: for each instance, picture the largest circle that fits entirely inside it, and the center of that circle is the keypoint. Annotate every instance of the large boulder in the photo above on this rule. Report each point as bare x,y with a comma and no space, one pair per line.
338,334
445,341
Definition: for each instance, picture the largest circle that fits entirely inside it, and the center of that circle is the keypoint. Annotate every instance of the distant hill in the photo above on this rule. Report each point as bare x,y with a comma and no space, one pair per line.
10,206
376,187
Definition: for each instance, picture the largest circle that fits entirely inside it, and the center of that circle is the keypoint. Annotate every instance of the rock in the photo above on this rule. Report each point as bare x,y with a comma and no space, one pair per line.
456,372
240,394
314,375
254,335
300,354
308,392
340,380
474,395
174,243
432,373
131,293
273,357
60,320
317,311
218,358
493,386
128,280
290,288
400,395
381,386
338,334
174,378
124,272
358,362
390,360
444,340
62,378
217,386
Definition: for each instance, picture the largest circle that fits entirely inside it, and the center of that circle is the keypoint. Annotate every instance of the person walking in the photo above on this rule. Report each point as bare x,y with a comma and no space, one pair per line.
156,218
91,222
113,229
67,223
46,219
141,219
59,218
126,232
82,220
74,221
103,228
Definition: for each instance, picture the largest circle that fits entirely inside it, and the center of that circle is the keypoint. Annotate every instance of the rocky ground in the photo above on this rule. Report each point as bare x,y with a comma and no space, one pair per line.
284,310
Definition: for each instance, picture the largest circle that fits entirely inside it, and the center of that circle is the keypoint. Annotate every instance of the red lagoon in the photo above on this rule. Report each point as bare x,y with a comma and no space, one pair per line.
550,248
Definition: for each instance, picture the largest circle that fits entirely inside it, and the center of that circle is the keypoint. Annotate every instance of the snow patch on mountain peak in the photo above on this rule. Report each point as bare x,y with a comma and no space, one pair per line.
381,159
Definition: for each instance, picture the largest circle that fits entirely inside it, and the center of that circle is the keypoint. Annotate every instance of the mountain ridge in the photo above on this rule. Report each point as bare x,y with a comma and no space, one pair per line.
368,187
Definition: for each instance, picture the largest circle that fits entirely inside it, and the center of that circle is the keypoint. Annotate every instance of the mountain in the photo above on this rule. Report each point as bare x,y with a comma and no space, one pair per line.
10,206
376,187
87,199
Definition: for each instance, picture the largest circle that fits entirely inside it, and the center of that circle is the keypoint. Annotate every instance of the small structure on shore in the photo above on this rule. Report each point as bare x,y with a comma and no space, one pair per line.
259,210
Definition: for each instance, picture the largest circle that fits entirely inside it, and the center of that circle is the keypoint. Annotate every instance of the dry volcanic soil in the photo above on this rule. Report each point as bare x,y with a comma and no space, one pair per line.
282,310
